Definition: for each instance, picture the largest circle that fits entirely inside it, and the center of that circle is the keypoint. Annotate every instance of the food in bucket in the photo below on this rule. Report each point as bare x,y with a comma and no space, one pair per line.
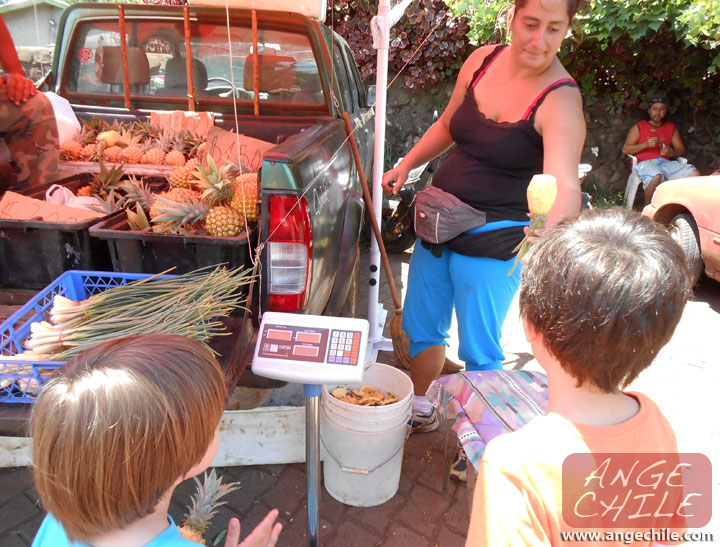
364,396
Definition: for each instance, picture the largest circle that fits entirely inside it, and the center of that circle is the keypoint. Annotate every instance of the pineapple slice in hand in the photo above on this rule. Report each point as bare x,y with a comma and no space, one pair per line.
541,194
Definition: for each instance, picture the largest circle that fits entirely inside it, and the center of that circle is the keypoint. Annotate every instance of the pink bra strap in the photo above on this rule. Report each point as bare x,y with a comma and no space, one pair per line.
494,54
545,91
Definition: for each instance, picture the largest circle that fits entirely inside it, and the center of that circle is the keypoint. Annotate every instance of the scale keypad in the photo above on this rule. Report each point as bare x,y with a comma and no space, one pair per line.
344,347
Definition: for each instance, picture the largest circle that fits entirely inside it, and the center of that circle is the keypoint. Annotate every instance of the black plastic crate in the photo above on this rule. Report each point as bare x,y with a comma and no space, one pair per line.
149,252
33,253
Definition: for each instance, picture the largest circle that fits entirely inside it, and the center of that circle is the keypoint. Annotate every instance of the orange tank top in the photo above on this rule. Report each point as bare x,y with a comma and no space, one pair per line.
664,132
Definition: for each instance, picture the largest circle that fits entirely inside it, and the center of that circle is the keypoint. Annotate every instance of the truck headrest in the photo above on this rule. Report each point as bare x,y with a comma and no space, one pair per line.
176,74
108,65
274,72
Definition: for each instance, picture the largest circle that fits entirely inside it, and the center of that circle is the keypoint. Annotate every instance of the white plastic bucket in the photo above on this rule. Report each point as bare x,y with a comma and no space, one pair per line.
364,444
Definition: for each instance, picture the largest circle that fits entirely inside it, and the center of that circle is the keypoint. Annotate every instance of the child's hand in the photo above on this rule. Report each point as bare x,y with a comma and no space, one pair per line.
536,234
265,534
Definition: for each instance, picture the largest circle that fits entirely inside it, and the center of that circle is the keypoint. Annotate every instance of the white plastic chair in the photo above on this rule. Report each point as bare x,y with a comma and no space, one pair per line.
634,181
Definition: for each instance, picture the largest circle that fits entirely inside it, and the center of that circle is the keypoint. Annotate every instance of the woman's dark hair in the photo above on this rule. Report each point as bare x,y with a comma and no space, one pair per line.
572,5
606,291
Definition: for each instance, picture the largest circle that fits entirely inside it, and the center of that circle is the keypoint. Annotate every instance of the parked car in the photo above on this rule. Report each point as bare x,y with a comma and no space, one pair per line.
690,207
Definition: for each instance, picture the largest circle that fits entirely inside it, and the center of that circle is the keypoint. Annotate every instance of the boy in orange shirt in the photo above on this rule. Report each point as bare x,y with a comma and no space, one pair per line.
599,296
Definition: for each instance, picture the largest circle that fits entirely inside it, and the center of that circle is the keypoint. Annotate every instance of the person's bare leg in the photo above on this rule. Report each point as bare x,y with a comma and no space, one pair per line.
426,367
650,190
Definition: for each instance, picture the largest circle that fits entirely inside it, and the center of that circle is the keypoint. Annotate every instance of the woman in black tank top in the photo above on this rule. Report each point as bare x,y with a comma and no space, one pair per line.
514,112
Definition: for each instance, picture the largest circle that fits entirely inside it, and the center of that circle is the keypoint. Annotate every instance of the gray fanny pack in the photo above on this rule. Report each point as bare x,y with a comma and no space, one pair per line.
440,216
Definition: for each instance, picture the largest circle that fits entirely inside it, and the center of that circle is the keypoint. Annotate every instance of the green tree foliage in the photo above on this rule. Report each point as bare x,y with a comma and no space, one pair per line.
620,51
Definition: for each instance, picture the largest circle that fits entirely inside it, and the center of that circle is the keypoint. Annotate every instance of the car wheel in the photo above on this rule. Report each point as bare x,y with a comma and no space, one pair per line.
684,231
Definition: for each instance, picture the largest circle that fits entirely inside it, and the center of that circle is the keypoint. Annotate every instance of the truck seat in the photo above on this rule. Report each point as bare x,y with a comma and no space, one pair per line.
176,76
108,64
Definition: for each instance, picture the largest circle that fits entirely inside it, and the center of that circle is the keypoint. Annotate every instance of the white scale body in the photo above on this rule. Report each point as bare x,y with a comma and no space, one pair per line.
311,349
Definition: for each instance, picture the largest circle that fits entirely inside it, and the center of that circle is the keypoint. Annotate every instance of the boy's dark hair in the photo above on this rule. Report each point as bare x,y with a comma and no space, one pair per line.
119,425
606,291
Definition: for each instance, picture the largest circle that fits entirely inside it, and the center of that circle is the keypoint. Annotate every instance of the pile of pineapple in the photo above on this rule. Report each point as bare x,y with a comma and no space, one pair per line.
220,201
133,143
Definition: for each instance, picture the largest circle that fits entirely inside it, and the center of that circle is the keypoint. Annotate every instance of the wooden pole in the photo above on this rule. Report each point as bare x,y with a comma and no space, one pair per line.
123,49
256,67
188,61
373,220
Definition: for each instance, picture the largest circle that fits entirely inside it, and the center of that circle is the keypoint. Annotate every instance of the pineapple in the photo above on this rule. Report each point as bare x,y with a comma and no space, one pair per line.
132,151
223,221
106,180
136,191
541,193
174,194
181,177
95,126
145,131
113,154
180,215
109,204
244,200
192,163
191,143
204,506
85,191
110,137
89,152
175,157
71,150
137,219
153,156
214,182
202,148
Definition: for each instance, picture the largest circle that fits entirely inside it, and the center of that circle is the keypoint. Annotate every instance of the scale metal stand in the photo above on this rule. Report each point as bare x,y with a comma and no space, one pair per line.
312,350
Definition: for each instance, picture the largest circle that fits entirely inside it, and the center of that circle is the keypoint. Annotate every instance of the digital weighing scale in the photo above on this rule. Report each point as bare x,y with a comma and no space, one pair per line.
312,350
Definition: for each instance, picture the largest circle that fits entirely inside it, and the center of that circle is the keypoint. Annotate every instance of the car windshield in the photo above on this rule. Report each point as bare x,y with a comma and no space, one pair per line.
286,70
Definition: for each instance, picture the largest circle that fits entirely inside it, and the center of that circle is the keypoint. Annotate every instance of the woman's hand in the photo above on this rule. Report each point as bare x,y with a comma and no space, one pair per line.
265,534
393,180
532,239
19,88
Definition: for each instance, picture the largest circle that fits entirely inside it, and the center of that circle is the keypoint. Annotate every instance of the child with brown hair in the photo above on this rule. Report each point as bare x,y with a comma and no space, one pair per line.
600,296
117,431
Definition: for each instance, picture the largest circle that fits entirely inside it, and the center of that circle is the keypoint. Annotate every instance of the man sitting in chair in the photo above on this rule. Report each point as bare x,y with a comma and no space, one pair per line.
655,142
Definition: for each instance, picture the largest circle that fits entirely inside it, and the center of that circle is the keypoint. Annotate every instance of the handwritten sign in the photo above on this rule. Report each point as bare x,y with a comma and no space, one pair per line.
198,123
15,206
225,146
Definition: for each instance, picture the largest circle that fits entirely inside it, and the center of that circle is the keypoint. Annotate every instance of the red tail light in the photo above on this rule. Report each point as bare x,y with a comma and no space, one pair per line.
289,251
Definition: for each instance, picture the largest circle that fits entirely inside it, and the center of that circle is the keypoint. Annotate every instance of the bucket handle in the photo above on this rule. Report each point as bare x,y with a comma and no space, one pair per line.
357,471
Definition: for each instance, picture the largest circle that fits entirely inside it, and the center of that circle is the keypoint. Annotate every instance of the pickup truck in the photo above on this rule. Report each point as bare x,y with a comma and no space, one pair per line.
311,196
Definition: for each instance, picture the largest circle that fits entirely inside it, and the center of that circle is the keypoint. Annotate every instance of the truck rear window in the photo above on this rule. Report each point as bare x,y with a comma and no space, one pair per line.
287,70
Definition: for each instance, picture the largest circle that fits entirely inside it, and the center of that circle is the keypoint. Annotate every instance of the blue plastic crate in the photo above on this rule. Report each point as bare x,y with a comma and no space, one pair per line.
21,381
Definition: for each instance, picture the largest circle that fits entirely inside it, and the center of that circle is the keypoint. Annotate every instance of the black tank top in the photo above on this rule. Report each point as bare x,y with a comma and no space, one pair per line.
492,163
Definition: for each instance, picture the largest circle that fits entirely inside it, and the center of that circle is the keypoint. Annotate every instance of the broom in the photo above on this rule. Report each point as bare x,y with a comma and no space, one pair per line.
400,340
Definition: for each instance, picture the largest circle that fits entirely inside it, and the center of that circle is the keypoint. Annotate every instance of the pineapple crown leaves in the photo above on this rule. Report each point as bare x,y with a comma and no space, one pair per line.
106,179
127,138
205,501
175,216
216,183
137,220
96,125
111,204
137,192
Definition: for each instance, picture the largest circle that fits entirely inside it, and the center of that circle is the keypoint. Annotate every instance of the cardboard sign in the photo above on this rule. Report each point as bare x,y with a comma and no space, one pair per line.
198,123
15,206
225,146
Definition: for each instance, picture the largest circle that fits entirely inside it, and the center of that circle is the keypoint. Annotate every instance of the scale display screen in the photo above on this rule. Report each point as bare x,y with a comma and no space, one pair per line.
310,349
